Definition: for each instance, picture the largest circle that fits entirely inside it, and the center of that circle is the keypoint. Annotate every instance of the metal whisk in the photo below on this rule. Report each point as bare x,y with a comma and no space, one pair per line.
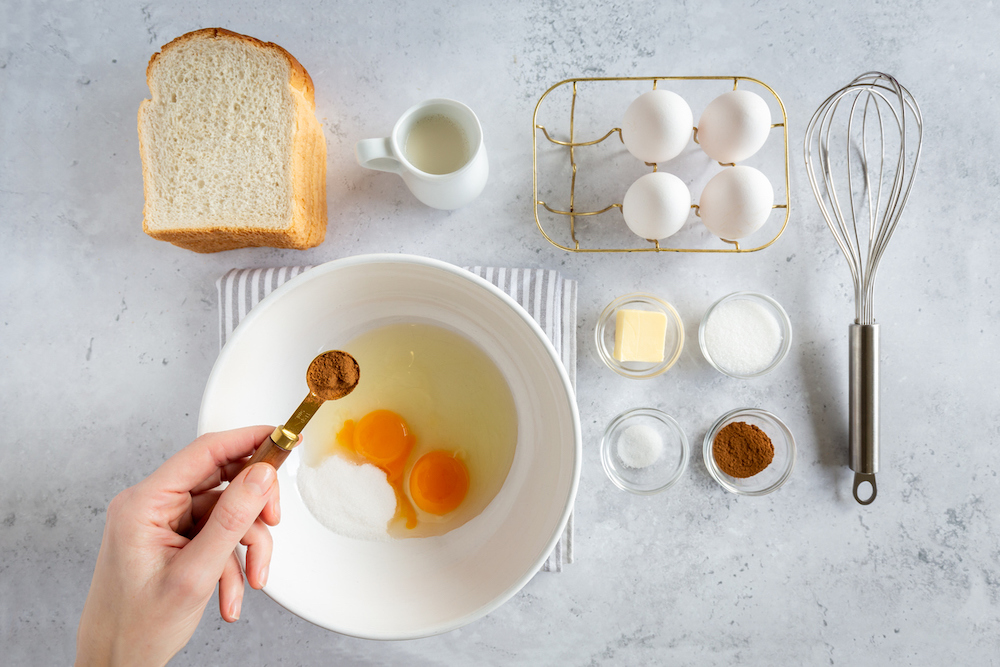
871,131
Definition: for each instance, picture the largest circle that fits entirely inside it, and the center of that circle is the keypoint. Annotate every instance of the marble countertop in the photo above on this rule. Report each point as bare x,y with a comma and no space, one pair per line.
108,336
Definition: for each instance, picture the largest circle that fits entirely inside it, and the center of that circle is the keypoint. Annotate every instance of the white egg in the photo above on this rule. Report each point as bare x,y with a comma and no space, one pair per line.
657,125
736,202
734,126
656,205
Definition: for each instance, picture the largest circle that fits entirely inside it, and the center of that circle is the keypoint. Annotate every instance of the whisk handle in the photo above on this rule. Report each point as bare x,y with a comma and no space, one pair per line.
864,406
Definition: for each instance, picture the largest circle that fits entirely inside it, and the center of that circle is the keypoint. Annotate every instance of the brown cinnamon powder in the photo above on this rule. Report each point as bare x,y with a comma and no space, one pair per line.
333,375
742,450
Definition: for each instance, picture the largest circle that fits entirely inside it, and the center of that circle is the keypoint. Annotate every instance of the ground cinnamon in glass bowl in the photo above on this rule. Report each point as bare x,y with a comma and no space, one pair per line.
742,450
749,452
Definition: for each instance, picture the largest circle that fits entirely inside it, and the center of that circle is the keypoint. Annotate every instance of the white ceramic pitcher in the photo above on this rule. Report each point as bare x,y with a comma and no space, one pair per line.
443,191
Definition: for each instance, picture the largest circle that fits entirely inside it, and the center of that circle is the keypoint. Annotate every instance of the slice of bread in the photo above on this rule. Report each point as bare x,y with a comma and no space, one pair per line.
232,153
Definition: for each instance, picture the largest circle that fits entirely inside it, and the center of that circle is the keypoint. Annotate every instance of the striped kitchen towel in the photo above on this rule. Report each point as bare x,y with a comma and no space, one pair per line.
548,297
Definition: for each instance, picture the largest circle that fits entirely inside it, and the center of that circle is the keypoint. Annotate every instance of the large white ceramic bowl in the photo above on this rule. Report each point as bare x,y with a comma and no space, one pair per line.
406,588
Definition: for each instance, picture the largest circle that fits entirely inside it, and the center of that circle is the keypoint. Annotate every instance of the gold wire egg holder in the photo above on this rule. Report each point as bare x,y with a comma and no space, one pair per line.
572,214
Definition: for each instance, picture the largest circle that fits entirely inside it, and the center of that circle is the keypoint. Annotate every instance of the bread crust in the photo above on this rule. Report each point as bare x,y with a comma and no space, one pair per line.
309,213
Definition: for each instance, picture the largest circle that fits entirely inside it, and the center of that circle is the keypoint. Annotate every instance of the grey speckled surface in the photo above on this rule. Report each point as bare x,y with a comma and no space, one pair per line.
107,336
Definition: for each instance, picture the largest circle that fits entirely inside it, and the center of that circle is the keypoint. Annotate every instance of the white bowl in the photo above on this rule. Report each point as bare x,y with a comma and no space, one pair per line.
407,588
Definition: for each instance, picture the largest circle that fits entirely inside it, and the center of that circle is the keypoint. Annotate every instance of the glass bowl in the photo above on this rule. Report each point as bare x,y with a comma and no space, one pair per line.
772,307
774,475
604,336
664,471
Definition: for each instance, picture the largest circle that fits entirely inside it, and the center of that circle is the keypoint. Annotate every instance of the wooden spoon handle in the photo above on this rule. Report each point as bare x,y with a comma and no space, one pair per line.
268,452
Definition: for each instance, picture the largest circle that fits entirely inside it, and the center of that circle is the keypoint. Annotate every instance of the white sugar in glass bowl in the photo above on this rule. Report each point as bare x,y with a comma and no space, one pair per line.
745,335
408,588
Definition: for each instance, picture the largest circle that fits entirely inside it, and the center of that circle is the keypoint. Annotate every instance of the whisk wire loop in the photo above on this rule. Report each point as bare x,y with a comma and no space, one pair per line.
879,173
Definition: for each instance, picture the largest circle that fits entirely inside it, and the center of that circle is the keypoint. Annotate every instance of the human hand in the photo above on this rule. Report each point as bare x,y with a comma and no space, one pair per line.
168,540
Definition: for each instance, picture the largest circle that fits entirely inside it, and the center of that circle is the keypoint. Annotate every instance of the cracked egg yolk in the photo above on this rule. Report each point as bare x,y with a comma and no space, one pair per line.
438,482
383,438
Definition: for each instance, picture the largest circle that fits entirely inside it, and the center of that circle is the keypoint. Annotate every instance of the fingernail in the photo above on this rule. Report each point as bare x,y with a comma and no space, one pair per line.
263,575
260,478
234,610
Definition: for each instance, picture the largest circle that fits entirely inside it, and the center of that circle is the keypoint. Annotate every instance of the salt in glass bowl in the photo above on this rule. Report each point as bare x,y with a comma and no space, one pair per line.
604,336
660,475
771,477
774,308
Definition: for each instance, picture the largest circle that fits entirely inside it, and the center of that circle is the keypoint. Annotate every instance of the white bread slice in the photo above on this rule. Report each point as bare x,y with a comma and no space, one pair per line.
232,153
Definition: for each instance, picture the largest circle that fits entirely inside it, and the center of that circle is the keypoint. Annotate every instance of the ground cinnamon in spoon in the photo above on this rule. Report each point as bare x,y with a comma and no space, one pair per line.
742,450
333,375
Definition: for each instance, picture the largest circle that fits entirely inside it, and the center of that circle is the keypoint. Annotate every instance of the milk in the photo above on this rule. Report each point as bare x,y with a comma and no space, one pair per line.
437,145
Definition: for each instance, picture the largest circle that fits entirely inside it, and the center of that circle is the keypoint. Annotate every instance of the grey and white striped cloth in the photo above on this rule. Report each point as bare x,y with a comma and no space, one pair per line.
548,297
242,289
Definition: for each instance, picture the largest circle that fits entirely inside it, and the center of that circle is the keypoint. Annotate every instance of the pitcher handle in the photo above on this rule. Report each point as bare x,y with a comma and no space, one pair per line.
377,154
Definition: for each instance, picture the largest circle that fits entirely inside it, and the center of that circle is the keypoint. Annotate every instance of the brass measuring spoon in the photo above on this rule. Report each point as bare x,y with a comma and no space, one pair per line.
332,375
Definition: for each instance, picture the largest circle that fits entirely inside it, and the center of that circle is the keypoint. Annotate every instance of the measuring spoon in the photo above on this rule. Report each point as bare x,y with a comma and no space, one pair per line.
332,375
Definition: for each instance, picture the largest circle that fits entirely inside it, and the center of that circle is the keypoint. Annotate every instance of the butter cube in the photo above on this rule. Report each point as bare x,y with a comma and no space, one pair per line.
640,335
